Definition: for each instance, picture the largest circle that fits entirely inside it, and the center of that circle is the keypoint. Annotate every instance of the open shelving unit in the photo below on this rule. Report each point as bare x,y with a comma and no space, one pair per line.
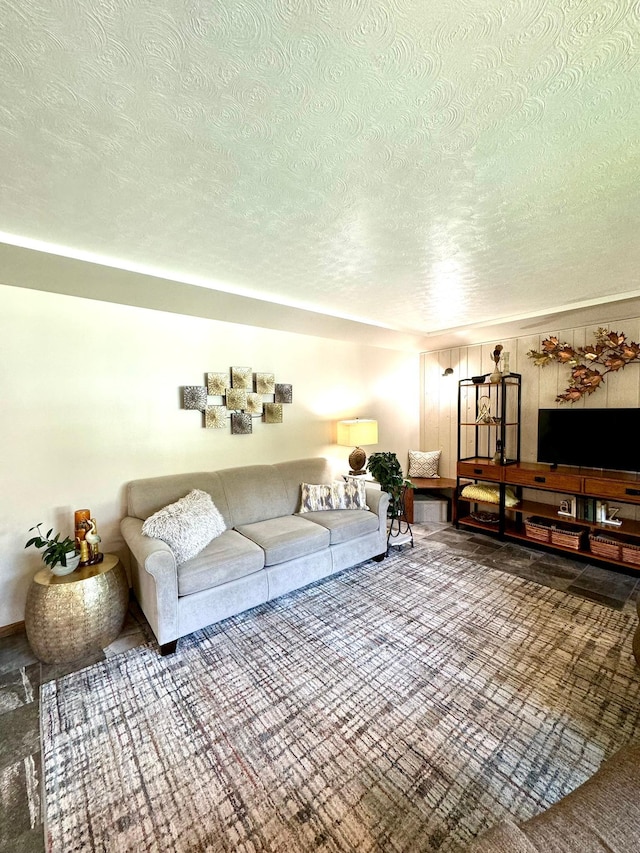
521,501
489,419
488,441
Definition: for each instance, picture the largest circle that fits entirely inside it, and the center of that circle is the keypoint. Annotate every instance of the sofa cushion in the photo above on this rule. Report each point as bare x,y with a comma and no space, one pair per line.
344,526
314,470
186,525
144,497
227,558
328,496
286,537
254,493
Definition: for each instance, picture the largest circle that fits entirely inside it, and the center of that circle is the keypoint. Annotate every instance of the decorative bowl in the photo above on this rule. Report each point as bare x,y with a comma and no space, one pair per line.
486,517
478,380
73,560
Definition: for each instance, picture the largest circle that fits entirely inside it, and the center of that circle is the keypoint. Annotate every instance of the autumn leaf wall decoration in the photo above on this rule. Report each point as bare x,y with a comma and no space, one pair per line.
611,350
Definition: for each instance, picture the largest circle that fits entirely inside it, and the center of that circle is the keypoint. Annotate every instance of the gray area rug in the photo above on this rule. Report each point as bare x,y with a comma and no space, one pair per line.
401,706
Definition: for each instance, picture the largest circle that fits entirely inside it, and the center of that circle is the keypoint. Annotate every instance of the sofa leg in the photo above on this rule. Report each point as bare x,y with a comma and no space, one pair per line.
168,648
380,557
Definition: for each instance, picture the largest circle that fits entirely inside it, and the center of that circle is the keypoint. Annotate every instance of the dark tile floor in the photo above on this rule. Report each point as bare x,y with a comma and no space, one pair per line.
21,674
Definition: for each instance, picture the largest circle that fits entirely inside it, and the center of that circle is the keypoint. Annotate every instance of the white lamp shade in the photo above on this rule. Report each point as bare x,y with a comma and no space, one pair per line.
357,432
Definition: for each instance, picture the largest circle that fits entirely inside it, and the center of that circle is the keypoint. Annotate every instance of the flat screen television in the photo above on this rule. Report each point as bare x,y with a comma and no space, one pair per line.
590,438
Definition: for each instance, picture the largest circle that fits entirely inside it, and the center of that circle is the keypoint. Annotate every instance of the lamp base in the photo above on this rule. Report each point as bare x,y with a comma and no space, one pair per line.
357,458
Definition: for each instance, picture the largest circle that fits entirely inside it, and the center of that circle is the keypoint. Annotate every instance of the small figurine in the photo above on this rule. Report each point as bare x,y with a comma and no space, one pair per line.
484,411
93,540
496,376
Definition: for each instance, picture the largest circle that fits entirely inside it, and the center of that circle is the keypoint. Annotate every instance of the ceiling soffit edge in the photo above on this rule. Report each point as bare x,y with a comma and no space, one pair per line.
44,271
605,313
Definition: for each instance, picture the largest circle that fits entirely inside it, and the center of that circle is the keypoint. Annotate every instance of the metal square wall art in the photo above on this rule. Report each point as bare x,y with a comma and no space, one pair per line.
215,417
195,397
284,393
230,397
241,424
273,413
254,404
241,377
265,383
236,399
217,383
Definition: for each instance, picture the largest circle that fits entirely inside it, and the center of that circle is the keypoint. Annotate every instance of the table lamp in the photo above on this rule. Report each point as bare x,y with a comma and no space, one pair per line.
356,432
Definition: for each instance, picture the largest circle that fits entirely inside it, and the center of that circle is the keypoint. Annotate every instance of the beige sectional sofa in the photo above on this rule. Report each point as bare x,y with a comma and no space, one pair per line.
268,549
601,816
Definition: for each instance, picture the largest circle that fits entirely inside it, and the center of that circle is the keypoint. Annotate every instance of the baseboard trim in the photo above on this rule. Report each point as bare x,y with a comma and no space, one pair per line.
7,630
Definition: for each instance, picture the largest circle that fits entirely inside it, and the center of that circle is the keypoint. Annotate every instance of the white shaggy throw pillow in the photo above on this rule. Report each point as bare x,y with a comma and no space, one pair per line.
187,525
424,464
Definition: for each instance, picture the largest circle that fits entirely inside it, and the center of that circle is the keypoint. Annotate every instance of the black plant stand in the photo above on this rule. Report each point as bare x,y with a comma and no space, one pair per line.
399,529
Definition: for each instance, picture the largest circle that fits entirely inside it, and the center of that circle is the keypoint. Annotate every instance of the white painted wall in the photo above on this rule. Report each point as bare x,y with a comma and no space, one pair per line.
90,398
540,387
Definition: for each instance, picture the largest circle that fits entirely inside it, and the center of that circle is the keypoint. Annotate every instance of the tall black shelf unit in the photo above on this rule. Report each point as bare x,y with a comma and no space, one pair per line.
489,419
489,411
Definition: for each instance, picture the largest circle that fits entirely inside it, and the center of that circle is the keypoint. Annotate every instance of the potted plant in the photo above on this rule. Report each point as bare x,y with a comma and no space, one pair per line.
386,469
59,554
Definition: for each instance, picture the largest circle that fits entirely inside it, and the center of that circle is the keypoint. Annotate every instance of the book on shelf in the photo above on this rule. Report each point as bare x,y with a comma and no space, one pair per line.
587,509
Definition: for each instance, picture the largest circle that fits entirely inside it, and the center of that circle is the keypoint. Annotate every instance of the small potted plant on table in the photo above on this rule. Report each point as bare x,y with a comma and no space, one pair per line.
59,554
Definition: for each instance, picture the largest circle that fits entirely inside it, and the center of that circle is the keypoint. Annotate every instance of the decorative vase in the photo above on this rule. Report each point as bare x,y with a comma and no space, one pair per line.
73,561
496,376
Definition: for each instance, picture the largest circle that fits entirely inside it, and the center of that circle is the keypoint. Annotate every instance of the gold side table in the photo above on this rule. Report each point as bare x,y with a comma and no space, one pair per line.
69,617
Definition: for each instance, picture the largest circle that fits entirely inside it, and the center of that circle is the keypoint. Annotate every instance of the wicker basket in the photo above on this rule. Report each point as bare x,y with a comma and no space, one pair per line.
568,536
630,553
603,547
538,529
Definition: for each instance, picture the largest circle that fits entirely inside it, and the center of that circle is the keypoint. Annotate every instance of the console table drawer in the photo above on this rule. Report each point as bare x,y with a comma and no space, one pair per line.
480,471
554,480
628,491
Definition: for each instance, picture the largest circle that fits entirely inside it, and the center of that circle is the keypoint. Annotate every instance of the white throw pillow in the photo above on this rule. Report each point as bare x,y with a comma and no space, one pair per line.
187,525
424,464
325,496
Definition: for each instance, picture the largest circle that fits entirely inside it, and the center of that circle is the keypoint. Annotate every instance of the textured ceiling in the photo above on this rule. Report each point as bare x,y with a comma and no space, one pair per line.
418,164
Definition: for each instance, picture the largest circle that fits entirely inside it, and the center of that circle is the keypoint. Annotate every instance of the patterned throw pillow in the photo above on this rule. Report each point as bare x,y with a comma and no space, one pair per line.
323,496
424,464
186,525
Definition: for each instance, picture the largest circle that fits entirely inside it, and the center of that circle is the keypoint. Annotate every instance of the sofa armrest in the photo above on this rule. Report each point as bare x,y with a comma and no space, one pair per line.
155,579
505,837
378,502
602,814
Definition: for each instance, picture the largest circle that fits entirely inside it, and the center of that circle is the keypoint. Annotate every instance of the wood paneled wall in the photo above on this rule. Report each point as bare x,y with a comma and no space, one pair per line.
539,387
